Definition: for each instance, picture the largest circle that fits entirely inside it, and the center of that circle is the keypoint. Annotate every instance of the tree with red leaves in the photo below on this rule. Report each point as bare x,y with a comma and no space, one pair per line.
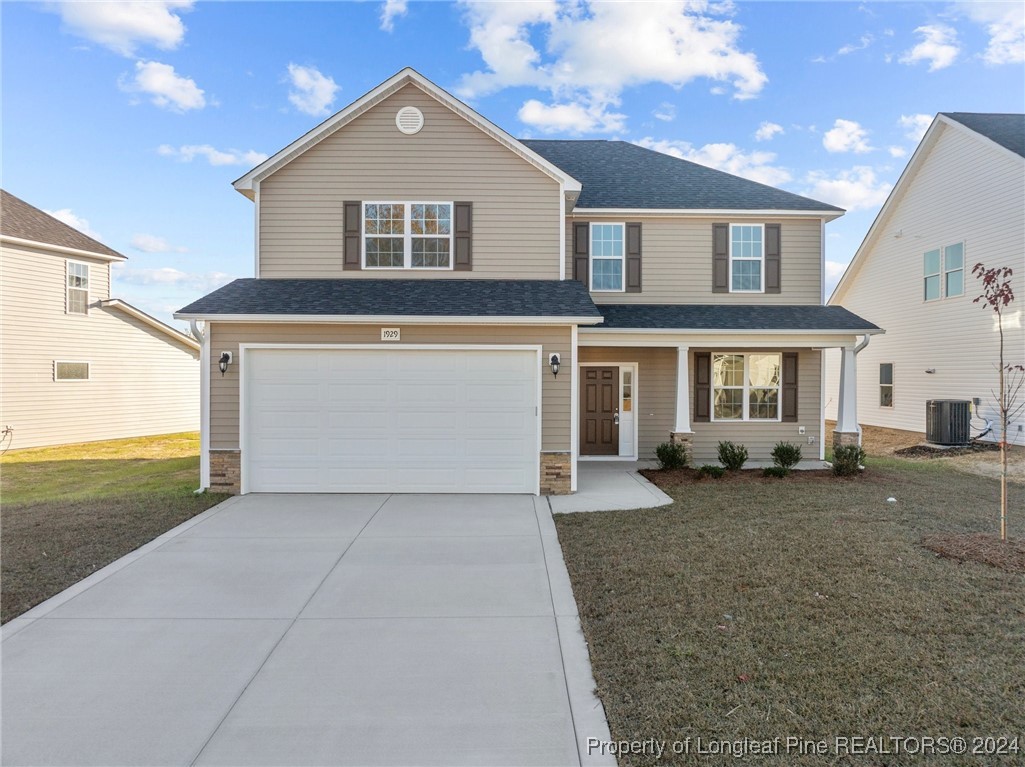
998,295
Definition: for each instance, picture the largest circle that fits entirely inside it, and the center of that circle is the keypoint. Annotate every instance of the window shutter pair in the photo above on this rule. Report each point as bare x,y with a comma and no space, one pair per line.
582,255
721,258
462,215
703,387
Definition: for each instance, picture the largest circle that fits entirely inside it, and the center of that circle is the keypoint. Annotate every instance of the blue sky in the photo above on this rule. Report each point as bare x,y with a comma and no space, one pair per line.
130,120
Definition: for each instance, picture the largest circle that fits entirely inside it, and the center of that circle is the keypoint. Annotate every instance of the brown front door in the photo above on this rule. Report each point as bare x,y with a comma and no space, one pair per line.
599,403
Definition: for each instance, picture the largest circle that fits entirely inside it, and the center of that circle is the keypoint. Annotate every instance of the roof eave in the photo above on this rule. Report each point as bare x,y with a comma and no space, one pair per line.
377,319
61,248
826,215
153,322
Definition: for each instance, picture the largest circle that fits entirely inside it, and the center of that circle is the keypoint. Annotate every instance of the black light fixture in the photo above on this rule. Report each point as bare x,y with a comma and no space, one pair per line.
224,362
555,364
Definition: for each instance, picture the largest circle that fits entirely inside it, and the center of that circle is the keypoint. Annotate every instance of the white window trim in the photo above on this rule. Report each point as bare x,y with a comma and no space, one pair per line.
746,416
407,237
68,288
591,257
893,378
944,271
88,371
729,277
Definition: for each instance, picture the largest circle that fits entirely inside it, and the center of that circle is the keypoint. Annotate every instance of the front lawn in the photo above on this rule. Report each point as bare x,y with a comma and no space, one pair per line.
68,511
765,608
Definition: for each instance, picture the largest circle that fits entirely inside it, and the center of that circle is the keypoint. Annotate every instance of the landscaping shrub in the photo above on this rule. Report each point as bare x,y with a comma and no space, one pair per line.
786,455
847,460
713,471
671,455
732,456
775,471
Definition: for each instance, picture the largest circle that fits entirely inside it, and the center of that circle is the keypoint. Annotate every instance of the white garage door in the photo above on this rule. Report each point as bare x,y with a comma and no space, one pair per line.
405,421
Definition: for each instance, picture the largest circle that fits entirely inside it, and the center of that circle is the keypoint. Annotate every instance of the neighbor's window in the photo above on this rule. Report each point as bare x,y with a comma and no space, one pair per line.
607,255
78,288
747,260
70,371
886,384
953,270
407,235
745,387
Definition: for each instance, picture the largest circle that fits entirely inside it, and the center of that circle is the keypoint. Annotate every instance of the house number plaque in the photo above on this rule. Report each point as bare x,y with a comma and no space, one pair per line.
390,334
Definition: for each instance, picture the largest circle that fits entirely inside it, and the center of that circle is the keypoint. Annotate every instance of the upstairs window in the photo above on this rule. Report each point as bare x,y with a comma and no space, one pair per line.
607,257
747,258
943,272
745,387
885,384
931,269
407,235
77,300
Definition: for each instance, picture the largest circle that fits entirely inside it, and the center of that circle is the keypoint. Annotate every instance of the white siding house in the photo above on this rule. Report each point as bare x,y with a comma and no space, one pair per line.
959,202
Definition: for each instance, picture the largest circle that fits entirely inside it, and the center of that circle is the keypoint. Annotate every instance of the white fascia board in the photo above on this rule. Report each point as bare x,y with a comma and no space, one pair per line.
826,215
374,97
732,338
59,248
370,319
153,322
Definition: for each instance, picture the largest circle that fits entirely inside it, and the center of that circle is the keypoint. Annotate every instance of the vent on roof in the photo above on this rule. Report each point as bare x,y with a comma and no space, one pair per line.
409,120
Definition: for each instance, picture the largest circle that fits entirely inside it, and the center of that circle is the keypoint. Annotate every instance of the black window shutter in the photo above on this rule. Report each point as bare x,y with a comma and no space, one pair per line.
720,258
702,386
463,218
772,258
633,258
581,252
789,386
352,225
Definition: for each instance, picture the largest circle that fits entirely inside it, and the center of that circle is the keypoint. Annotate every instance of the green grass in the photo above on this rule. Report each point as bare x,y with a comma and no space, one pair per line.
68,511
840,623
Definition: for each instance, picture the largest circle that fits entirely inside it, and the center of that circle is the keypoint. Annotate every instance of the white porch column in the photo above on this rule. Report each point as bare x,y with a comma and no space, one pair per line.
204,402
847,407
682,425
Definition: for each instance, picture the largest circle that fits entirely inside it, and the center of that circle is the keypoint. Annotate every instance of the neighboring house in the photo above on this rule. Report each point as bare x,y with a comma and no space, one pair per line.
77,365
959,202
420,273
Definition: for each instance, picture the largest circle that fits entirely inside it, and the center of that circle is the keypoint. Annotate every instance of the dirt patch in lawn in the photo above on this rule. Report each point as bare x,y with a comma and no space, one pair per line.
988,549
936,451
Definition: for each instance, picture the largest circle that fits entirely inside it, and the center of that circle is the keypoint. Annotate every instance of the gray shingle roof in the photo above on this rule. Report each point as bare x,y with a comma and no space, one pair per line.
422,297
1008,130
714,317
617,174
21,220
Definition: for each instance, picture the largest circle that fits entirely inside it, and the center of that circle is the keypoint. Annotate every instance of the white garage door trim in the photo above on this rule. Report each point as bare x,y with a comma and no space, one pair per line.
243,348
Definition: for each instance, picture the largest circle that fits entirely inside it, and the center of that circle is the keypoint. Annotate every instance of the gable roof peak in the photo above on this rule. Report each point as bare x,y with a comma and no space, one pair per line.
21,221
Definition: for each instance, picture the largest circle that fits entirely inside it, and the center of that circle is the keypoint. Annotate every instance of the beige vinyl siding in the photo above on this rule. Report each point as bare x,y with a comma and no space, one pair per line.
676,261
141,381
224,396
965,190
515,206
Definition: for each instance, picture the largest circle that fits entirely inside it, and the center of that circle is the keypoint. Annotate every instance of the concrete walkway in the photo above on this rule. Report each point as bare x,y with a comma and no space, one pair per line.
342,629
609,486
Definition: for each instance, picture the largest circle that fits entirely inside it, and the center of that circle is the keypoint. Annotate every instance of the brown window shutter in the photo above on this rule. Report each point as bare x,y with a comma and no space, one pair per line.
633,258
720,258
582,252
702,386
772,261
463,216
353,235
789,386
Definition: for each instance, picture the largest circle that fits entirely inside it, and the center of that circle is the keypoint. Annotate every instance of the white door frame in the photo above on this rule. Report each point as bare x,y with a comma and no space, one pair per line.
633,366
244,347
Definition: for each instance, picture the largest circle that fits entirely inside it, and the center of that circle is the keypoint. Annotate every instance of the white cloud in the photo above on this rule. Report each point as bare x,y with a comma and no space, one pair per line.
863,43
834,271
312,92
897,151
938,47
846,136
166,88
189,152
123,25
150,243
666,112
915,126
854,189
594,51
391,10
169,276
756,166
767,131
570,118
67,216
1005,24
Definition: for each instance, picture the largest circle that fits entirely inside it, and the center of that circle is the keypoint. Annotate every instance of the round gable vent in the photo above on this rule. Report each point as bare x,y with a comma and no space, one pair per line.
409,120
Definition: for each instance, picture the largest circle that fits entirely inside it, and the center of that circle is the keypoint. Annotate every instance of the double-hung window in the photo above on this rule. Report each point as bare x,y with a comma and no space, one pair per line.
943,272
77,301
607,257
931,270
407,235
747,258
745,387
885,384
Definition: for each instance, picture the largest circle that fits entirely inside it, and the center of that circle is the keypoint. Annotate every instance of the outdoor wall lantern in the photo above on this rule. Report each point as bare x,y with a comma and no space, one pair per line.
555,363
224,362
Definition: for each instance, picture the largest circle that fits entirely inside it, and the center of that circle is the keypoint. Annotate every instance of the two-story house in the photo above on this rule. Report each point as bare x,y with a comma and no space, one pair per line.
75,364
439,307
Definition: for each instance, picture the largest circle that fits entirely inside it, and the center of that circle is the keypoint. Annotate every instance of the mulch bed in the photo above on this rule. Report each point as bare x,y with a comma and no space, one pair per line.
677,477
930,451
987,549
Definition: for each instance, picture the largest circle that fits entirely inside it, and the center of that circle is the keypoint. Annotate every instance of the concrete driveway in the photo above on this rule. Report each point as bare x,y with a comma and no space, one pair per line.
291,629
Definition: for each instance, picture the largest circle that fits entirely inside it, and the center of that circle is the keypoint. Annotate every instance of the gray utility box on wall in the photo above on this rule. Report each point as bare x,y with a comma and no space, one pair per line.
947,421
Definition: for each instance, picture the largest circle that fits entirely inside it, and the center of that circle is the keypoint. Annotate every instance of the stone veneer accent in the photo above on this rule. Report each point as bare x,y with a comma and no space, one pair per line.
226,471
685,438
556,470
842,438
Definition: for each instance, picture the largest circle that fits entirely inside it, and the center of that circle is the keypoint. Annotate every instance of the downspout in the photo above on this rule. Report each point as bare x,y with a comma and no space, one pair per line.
204,404
857,351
